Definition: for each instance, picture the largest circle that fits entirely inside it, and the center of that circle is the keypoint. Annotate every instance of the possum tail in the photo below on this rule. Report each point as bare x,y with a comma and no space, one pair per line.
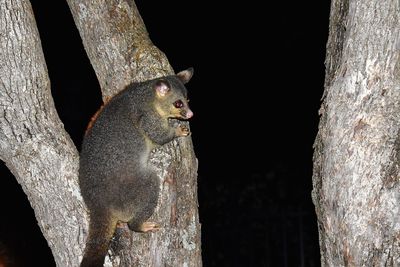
101,230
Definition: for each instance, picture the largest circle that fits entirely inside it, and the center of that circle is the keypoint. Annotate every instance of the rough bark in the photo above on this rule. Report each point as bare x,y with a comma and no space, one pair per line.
356,159
117,43
121,52
42,157
33,142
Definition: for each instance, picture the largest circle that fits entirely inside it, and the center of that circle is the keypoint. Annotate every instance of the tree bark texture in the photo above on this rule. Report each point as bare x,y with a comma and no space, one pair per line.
356,188
33,142
43,159
118,45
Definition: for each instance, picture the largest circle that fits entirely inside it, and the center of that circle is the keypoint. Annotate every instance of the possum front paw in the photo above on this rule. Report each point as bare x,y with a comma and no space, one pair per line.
182,130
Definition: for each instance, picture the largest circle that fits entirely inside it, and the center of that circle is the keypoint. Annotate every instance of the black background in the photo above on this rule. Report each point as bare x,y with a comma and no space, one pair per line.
259,70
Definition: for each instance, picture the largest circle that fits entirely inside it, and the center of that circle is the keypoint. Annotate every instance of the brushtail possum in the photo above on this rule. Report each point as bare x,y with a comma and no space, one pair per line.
116,179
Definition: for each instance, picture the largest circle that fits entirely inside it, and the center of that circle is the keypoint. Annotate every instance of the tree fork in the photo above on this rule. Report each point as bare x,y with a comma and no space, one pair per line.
42,157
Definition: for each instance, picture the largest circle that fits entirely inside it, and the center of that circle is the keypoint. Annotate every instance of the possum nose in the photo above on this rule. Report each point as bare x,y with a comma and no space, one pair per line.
189,114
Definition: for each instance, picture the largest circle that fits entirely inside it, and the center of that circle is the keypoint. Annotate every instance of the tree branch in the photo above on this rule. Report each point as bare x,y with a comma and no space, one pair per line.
117,43
33,142
121,52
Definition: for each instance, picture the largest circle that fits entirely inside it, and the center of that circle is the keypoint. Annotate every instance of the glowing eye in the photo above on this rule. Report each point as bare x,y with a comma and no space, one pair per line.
178,104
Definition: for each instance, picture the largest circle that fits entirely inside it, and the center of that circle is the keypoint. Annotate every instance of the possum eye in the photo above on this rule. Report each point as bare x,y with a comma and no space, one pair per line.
178,104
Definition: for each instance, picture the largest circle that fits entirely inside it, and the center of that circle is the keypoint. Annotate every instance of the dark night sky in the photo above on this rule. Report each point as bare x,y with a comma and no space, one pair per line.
256,92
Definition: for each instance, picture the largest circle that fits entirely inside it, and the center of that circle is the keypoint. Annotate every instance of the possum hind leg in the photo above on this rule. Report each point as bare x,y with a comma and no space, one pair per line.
139,224
144,209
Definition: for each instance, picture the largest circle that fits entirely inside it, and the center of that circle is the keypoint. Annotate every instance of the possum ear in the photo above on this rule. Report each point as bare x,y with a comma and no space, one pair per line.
185,75
162,88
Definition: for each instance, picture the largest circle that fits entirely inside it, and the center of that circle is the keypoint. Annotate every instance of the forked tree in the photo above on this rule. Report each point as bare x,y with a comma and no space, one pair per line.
42,157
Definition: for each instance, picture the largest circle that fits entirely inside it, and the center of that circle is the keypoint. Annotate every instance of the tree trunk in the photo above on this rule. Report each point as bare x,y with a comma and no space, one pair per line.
357,150
42,157
33,142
